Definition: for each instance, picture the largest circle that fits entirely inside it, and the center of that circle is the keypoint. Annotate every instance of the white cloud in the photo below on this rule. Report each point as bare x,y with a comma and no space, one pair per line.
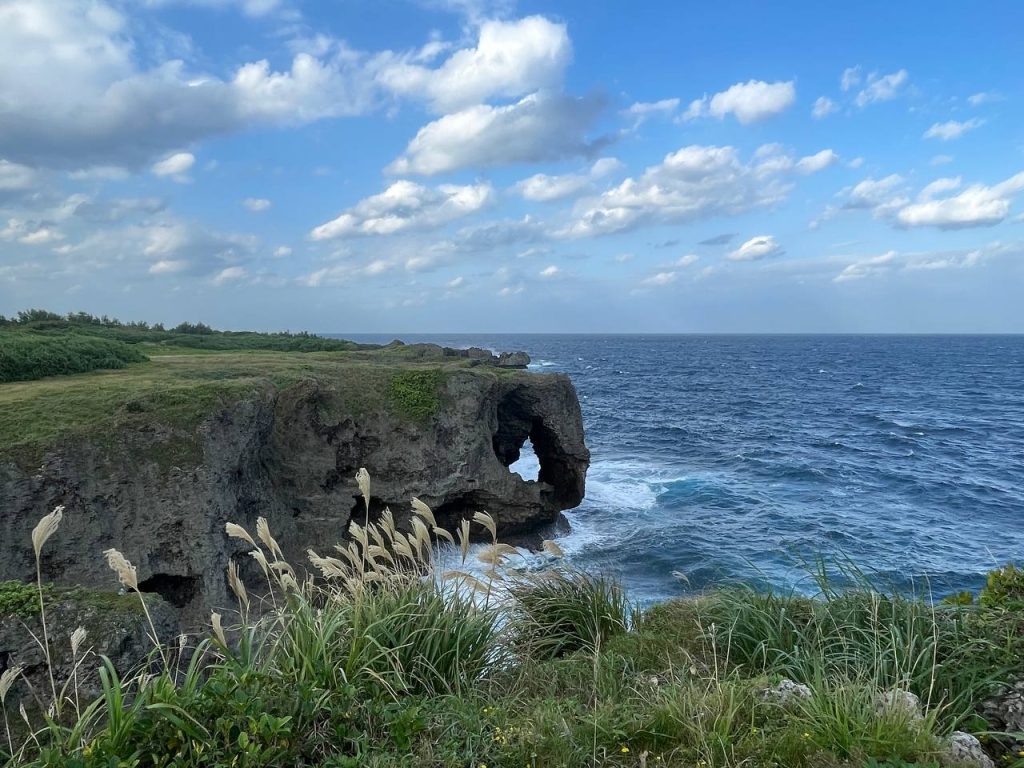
823,107
511,59
16,177
406,205
869,267
41,236
550,271
687,260
872,193
748,102
660,278
540,127
168,266
857,162
756,248
642,110
939,186
542,188
952,129
850,78
817,162
230,275
976,206
256,204
882,87
282,251
77,95
455,282
941,160
176,166
693,183
984,97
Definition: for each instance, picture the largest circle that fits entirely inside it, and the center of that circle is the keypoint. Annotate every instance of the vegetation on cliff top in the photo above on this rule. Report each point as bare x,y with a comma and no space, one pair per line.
386,661
135,375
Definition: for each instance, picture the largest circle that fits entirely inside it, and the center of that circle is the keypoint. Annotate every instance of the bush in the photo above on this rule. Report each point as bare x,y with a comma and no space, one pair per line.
25,356
567,612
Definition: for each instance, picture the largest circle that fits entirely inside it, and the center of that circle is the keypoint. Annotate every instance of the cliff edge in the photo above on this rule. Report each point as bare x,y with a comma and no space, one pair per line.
174,460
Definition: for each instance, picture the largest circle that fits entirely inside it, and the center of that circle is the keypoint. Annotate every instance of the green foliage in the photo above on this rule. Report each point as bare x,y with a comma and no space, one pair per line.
416,393
24,357
385,662
1004,588
18,599
567,612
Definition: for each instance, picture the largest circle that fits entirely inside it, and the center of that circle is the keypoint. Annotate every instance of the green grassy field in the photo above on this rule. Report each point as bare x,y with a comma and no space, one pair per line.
179,388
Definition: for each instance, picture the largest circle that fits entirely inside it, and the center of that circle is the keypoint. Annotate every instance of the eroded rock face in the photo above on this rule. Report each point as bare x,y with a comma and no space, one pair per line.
291,456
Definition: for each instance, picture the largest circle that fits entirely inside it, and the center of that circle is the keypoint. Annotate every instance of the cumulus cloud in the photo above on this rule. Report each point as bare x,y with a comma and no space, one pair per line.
756,248
168,266
882,87
748,102
823,107
660,279
875,194
16,177
550,272
871,266
175,166
976,206
511,59
692,183
77,96
850,78
542,188
406,205
282,252
984,97
952,129
817,162
230,275
256,204
540,127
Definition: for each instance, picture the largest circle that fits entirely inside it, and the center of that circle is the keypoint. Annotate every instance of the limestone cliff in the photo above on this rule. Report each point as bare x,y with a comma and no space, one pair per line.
290,453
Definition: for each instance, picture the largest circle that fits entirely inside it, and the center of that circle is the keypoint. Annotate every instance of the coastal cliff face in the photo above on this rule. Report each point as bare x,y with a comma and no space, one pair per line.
290,454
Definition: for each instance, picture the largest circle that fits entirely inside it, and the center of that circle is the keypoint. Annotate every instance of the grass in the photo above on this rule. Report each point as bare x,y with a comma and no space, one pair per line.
383,661
177,391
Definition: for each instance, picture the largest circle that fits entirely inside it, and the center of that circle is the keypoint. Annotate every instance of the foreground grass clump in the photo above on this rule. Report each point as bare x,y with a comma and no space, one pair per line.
385,660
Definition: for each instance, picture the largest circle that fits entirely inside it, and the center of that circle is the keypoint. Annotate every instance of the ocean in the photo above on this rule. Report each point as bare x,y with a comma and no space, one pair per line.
723,458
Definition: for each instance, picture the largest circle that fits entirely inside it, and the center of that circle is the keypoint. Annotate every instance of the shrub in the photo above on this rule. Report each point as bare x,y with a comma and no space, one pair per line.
567,612
25,356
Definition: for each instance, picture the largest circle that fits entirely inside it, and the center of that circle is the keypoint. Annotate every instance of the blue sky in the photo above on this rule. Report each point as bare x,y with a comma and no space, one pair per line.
463,165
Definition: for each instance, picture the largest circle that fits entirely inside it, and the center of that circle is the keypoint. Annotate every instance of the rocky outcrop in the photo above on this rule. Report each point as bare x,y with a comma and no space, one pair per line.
291,455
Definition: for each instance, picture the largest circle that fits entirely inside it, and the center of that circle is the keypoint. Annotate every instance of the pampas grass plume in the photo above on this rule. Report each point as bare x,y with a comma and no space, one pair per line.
46,527
125,571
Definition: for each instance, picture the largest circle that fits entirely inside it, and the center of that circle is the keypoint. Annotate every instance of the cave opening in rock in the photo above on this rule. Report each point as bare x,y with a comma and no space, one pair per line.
177,590
527,466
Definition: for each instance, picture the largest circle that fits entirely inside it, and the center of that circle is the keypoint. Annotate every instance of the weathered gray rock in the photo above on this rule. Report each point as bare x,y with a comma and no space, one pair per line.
901,703
965,751
1005,712
291,456
115,627
787,692
513,360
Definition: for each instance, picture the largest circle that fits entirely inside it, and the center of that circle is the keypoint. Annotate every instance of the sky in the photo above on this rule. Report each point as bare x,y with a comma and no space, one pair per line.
501,166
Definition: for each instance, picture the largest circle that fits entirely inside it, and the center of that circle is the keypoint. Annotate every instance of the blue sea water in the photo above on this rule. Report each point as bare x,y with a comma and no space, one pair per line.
734,457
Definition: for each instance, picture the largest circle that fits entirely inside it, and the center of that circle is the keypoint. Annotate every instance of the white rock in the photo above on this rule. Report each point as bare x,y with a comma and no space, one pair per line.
964,751
787,691
900,702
